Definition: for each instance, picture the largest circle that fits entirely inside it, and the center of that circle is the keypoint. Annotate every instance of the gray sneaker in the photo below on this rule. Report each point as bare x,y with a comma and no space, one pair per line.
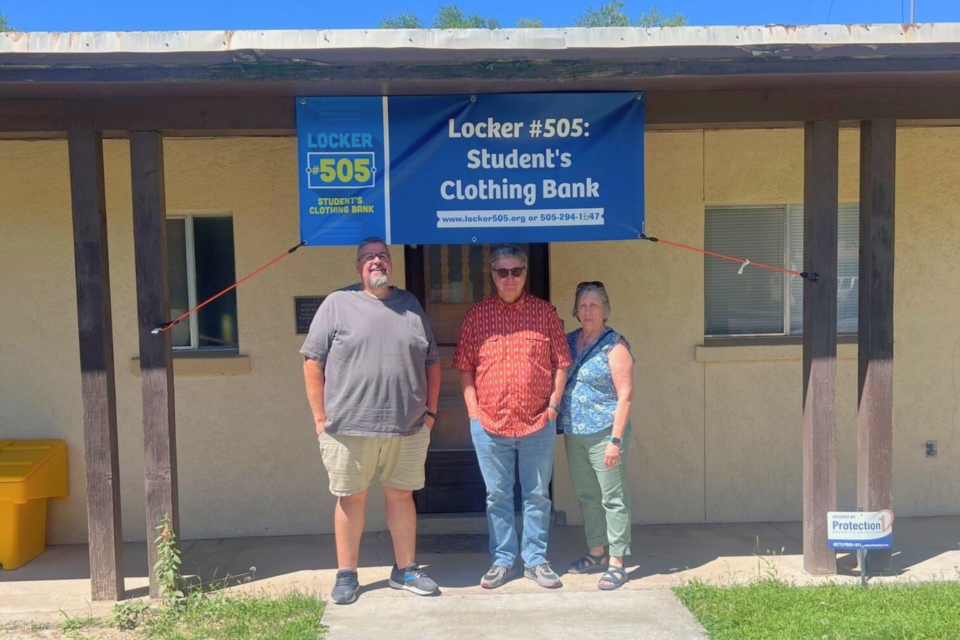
497,576
412,579
345,590
544,575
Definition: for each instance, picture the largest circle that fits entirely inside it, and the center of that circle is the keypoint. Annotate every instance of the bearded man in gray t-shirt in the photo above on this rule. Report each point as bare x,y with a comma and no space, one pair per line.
373,382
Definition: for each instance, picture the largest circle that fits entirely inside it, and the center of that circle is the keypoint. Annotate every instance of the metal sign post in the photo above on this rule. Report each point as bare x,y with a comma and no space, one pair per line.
862,557
862,553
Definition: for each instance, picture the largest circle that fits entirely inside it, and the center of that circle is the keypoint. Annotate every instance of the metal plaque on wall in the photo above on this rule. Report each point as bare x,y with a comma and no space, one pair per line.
305,307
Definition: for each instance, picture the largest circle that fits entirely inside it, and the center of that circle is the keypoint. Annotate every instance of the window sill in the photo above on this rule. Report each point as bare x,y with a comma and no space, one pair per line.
197,364
771,349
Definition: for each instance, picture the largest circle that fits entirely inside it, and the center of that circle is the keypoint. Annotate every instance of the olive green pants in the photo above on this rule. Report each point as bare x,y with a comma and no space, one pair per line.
603,493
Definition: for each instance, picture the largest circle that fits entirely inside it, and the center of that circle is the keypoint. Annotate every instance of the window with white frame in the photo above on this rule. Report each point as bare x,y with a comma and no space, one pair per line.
200,263
764,302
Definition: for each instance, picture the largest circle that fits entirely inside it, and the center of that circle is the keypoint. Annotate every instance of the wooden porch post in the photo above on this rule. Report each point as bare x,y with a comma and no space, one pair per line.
820,227
878,151
156,358
105,533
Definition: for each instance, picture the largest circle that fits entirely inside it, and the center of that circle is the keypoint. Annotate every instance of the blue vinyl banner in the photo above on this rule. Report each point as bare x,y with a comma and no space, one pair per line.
471,169
342,158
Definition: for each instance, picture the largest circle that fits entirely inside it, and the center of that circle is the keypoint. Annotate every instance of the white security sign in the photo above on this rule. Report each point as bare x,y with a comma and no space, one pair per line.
860,529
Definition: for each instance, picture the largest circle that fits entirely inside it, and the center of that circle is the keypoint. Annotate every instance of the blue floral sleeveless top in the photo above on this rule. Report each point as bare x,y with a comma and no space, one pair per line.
590,398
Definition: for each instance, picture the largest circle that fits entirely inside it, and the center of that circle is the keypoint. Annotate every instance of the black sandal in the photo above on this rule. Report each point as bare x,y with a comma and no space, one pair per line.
614,578
590,564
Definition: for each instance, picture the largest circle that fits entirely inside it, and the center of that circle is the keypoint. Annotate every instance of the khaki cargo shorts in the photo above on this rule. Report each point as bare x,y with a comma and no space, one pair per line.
352,461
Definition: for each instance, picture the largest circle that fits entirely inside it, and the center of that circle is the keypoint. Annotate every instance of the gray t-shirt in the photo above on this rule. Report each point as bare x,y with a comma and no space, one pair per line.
375,353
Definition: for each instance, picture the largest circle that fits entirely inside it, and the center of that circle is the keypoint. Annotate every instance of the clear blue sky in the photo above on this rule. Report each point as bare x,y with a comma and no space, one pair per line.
157,15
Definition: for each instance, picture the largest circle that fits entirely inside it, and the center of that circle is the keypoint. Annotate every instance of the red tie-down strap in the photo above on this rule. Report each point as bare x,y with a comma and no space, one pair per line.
166,326
744,262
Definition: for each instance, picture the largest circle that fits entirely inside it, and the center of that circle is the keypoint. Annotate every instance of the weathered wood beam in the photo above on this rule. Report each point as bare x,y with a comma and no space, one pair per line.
104,529
156,356
264,112
147,114
820,229
666,108
878,170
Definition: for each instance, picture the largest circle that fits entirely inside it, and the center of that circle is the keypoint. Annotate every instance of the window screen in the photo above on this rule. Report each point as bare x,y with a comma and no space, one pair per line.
757,301
848,268
751,302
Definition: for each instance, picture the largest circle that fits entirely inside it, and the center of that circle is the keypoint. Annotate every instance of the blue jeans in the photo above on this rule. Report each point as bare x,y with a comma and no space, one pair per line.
498,456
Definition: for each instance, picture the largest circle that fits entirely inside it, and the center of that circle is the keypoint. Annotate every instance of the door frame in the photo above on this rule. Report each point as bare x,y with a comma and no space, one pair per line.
415,271
538,281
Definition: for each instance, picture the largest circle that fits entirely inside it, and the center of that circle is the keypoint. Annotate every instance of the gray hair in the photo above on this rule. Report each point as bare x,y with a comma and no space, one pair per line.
582,291
508,251
370,240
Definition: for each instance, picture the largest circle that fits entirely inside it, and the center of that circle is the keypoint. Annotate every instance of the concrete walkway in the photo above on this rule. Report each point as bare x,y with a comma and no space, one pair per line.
652,615
664,556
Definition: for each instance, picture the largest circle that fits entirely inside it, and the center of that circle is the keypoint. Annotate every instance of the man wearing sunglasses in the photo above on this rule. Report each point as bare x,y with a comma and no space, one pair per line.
372,373
513,359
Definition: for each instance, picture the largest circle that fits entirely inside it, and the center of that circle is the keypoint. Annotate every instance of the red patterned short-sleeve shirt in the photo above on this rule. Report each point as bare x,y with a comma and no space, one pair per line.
513,351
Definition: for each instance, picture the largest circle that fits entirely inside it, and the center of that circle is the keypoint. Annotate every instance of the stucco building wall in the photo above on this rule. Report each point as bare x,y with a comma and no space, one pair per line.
716,429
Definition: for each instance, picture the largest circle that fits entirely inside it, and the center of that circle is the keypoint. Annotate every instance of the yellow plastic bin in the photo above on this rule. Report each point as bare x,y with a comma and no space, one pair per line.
31,471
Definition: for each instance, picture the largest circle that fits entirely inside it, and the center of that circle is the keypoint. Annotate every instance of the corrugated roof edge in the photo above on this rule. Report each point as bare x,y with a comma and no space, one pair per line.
477,39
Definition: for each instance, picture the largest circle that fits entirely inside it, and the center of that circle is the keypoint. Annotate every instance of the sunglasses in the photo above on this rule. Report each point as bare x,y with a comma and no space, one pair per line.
369,257
595,283
516,272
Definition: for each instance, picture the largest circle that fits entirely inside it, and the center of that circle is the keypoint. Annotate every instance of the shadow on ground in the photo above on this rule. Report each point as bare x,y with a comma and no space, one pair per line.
459,560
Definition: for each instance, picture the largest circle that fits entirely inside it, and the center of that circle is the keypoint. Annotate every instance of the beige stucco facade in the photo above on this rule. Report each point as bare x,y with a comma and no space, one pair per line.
717,429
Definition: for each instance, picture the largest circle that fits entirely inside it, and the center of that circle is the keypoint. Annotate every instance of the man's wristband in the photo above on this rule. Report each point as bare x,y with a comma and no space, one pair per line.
431,414
554,407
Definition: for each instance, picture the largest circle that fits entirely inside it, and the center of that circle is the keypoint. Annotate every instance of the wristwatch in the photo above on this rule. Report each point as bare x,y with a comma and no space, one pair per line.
554,407
616,441
431,414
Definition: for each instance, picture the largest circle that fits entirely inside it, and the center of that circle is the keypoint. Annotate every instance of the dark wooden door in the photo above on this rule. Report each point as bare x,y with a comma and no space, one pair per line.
448,279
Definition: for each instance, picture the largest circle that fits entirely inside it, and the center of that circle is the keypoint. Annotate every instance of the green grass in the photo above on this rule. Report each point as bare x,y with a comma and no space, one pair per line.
774,610
293,616
210,616
78,623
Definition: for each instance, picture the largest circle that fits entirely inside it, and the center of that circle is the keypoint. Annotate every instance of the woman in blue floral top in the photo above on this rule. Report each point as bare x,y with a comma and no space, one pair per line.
595,414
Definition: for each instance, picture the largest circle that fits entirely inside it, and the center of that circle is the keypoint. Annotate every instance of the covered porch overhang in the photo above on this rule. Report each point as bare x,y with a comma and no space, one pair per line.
240,83
146,86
